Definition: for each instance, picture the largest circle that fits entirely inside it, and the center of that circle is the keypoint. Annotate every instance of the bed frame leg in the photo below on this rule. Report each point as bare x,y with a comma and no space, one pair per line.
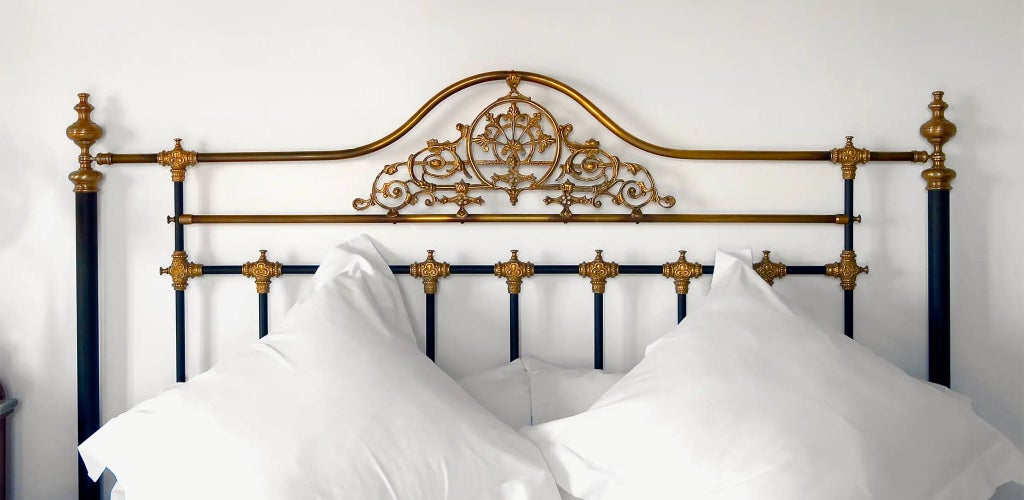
84,133
938,130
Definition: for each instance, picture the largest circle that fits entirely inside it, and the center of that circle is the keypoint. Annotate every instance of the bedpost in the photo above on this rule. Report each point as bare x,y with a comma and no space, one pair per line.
938,130
85,133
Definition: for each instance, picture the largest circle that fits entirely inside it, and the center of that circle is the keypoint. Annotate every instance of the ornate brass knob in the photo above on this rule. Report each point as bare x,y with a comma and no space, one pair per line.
178,159
262,270
682,271
514,271
599,272
846,270
181,270
768,270
430,271
849,157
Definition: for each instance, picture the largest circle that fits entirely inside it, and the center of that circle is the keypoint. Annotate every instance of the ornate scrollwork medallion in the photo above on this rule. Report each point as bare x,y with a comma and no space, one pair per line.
514,145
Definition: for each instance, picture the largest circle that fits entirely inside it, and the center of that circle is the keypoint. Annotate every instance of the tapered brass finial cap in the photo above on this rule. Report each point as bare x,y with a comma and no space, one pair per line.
84,133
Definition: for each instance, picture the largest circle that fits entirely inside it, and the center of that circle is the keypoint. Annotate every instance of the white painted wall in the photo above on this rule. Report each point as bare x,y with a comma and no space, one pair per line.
322,74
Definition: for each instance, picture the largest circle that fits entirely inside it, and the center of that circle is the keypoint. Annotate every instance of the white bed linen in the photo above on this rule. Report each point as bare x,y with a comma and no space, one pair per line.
745,399
337,402
529,391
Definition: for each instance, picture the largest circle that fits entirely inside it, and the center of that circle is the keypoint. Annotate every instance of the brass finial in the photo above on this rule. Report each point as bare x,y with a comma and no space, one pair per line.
768,270
84,133
178,159
682,271
430,271
181,270
938,131
846,270
849,157
599,272
262,270
514,271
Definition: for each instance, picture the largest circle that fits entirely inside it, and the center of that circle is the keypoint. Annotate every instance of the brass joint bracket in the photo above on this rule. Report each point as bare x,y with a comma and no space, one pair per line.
430,271
178,159
849,157
514,271
84,133
682,271
768,270
846,270
262,270
599,272
181,270
938,131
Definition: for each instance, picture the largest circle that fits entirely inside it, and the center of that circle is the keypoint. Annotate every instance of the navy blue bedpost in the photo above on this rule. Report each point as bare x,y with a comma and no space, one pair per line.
85,133
938,130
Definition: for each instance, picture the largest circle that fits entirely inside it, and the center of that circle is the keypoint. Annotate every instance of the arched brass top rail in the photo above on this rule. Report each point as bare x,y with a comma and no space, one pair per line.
341,154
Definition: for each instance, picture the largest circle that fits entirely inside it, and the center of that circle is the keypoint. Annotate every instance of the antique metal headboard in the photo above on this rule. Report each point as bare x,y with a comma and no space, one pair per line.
513,148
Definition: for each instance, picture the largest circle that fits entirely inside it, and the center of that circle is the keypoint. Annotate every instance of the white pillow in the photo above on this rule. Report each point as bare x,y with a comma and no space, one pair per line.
337,402
745,399
529,391
505,391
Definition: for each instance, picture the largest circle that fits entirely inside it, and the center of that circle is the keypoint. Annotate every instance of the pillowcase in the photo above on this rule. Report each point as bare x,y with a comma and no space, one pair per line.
529,391
745,399
337,402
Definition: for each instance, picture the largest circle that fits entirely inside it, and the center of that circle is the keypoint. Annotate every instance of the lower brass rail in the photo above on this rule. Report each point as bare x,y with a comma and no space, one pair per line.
585,218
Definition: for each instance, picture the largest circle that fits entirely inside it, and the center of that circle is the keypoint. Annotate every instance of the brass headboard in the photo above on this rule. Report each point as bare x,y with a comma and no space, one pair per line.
513,148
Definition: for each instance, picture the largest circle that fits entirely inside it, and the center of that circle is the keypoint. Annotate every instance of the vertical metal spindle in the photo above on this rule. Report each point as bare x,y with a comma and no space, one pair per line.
680,307
431,325
264,320
513,326
599,331
848,245
179,295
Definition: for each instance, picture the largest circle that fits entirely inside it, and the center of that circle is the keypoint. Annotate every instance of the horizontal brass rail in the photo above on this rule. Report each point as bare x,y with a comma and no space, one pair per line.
341,154
585,218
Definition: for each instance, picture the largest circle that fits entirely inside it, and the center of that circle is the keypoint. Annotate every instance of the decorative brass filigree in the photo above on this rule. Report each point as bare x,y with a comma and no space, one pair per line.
938,130
682,271
262,270
768,270
514,145
514,271
178,159
846,270
849,157
599,272
430,271
181,270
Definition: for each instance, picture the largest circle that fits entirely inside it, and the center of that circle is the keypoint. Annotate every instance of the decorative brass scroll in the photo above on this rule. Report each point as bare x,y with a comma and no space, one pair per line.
599,272
849,157
181,270
430,271
178,159
769,270
514,145
514,271
262,271
682,271
846,270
